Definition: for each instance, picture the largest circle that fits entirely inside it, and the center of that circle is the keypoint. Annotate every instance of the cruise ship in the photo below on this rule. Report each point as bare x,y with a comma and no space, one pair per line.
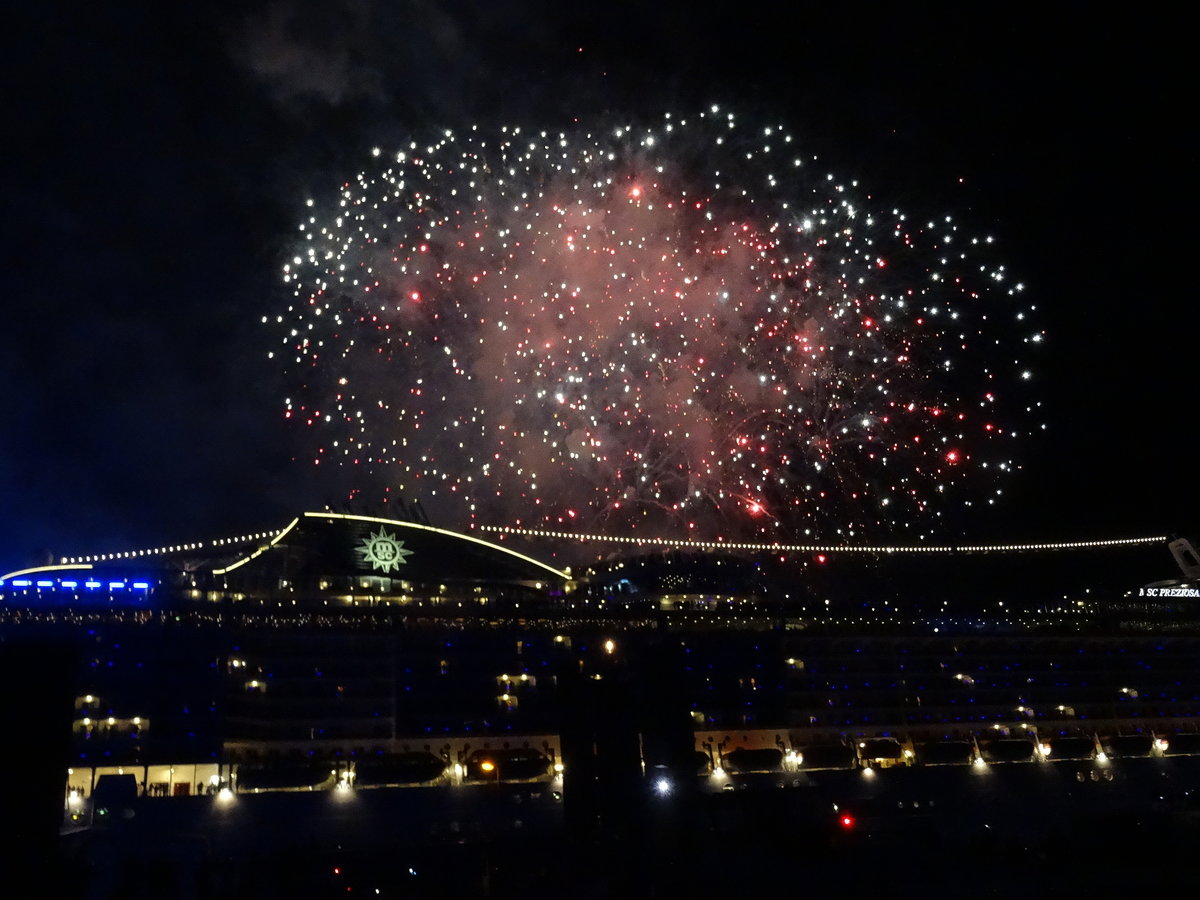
352,681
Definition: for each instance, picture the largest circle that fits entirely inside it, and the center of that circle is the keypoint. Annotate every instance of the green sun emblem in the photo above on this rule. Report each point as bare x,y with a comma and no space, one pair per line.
383,551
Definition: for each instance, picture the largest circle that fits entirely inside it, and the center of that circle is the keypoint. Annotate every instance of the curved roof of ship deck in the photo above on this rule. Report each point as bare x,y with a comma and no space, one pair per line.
334,544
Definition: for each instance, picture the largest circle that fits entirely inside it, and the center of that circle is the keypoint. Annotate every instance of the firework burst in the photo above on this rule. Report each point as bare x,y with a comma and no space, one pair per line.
685,328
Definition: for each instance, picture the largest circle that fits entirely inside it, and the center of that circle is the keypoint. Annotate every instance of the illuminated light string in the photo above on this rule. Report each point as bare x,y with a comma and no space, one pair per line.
261,550
216,543
814,548
86,563
687,328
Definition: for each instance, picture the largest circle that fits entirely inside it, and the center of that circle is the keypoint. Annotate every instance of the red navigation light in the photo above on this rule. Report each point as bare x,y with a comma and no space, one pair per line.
847,821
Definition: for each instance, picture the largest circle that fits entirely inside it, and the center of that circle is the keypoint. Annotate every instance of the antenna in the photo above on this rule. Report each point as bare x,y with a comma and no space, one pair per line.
1186,556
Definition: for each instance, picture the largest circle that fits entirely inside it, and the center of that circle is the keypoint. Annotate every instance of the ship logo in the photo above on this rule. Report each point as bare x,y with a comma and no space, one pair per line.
383,551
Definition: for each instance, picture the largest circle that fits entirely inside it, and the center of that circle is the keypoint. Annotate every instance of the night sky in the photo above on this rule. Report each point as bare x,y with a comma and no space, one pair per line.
159,159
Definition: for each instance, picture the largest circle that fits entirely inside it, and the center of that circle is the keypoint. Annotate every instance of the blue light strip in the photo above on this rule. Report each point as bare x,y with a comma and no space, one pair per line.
70,584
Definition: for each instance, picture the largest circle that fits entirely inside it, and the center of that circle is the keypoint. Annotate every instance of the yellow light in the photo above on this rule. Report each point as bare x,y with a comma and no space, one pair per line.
807,548
487,765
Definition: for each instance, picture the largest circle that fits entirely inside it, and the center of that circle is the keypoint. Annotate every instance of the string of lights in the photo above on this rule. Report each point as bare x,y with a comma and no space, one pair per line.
639,541
214,544
814,548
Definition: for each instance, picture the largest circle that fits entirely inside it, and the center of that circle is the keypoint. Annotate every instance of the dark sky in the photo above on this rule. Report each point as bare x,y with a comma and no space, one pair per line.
158,159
